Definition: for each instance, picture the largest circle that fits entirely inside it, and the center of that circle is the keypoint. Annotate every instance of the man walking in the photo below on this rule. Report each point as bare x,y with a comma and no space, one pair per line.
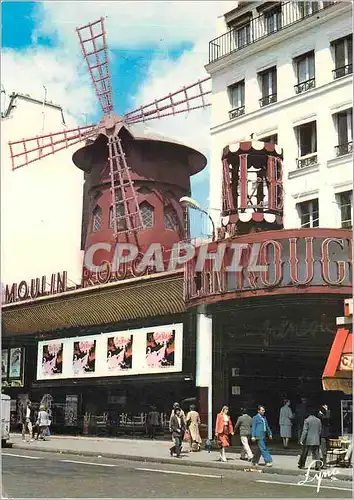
244,423
310,440
260,431
26,421
178,429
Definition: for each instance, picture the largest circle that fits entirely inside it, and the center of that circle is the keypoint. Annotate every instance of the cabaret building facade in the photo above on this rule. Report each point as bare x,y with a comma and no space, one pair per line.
251,321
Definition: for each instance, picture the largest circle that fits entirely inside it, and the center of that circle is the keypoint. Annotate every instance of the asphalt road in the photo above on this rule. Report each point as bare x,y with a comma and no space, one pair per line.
31,474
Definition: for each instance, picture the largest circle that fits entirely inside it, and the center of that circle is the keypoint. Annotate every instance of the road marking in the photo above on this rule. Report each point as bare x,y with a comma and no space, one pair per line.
88,463
308,485
20,456
177,472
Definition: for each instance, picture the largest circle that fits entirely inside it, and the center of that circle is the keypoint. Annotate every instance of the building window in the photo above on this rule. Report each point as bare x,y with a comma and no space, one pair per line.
120,214
170,218
272,139
307,144
305,71
237,99
343,56
97,219
242,35
268,80
309,214
272,20
345,132
345,202
147,213
308,8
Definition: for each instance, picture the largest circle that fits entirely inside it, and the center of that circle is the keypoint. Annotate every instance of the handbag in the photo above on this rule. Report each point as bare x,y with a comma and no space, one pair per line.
187,436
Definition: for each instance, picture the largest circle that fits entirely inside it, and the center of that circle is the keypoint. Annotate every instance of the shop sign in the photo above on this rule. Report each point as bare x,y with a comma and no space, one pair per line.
37,287
12,363
141,351
346,362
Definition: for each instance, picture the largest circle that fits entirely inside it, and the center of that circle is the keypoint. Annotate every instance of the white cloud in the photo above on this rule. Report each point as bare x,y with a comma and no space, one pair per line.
134,24
27,71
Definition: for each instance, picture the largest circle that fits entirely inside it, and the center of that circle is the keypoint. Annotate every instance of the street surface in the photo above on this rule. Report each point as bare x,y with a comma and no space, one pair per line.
35,474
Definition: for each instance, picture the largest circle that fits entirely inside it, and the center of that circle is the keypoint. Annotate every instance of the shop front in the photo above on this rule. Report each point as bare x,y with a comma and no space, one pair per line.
104,378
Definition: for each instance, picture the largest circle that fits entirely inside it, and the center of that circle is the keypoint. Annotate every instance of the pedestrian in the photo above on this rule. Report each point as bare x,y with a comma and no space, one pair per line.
260,432
174,407
310,440
223,429
177,429
43,422
301,413
285,422
193,422
324,415
153,422
26,418
244,423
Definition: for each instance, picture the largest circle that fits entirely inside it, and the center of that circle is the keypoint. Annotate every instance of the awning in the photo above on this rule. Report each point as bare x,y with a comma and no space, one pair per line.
338,372
150,296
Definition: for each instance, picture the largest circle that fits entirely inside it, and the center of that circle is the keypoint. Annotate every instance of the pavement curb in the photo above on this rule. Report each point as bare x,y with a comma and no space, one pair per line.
136,458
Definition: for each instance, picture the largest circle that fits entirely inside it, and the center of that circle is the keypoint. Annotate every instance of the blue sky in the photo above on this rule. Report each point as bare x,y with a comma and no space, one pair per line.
152,52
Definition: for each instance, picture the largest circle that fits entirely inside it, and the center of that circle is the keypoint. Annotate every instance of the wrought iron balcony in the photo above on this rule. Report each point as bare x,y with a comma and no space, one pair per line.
305,86
344,149
269,99
307,161
259,28
234,113
342,71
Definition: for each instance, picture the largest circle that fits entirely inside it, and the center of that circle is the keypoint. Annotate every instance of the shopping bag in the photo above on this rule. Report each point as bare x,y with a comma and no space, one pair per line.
186,436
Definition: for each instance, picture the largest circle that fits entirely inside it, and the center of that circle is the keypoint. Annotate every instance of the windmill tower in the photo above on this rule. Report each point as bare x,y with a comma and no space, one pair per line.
133,179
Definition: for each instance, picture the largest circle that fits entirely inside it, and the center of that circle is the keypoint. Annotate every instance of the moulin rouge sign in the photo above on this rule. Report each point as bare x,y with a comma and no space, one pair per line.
293,261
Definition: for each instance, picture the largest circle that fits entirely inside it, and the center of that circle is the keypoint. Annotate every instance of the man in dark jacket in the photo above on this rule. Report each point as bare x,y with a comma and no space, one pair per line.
324,416
244,423
178,429
310,440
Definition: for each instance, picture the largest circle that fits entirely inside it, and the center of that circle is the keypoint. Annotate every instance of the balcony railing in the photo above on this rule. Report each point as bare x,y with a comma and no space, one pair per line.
307,161
234,113
269,99
258,28
342,71
344,149
305,86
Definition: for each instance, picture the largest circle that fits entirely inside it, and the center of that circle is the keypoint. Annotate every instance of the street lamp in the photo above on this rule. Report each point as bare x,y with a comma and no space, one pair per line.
190,203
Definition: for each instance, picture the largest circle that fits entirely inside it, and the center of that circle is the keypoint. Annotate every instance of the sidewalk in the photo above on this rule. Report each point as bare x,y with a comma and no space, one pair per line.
158,452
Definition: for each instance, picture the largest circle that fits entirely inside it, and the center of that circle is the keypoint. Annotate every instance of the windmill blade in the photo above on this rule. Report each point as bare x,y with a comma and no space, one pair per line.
193,96
94,48
27,151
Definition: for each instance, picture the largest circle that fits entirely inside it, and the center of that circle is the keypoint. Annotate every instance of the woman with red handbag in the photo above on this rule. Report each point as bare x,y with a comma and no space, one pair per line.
223,429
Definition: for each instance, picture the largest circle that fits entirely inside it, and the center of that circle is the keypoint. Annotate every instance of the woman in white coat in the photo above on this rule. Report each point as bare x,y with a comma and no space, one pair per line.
285,422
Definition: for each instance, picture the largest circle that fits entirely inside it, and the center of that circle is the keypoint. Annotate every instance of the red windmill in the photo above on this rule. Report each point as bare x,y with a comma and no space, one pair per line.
111,172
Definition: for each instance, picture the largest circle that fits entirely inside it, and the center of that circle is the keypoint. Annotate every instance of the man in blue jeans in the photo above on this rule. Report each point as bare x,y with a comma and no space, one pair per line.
260,431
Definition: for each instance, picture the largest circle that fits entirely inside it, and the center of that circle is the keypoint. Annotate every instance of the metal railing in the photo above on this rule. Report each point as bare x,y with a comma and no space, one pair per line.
234,113
344,149
342,71
305,86
307,161
259,27
269,99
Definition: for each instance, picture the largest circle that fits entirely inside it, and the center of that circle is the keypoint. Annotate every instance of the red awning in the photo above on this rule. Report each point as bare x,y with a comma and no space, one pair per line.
338,372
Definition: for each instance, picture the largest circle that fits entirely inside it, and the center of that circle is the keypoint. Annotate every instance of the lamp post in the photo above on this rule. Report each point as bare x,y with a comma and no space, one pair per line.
190,203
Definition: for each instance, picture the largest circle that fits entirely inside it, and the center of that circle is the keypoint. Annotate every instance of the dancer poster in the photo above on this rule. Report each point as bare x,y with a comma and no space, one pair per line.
15,362
84,357
4,362
119,353
160,349
52,359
